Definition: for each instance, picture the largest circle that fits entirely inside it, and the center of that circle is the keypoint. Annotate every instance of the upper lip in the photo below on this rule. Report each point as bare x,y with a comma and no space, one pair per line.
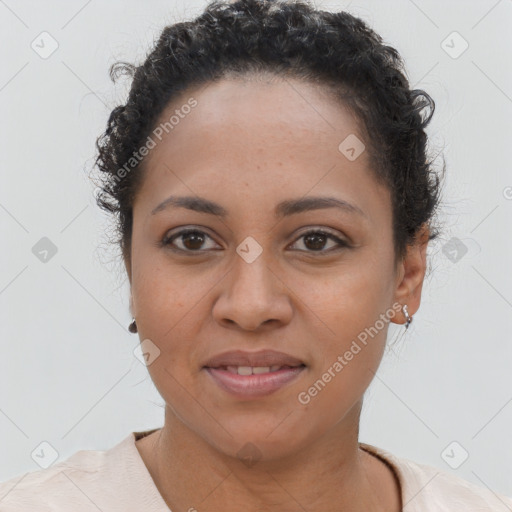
262,358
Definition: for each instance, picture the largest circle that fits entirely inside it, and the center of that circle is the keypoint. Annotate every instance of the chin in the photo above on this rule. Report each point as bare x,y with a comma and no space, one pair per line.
258,437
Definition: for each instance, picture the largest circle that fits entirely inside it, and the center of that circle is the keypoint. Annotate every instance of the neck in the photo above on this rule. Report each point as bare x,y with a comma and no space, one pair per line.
332,473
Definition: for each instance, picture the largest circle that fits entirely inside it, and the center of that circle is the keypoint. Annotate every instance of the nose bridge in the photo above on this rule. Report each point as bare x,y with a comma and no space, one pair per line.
252,295
251,272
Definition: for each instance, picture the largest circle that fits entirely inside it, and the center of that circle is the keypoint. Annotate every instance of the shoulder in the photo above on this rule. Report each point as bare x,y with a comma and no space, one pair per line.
85,481
57,485
427,488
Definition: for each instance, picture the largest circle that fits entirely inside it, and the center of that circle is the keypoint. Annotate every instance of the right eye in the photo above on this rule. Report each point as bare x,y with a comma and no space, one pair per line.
191,240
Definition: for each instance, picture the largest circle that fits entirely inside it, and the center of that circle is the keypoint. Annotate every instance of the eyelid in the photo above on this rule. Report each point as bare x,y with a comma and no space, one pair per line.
321,229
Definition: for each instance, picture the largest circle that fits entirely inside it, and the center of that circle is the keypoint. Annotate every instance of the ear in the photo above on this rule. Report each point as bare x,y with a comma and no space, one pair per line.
411,273
127,266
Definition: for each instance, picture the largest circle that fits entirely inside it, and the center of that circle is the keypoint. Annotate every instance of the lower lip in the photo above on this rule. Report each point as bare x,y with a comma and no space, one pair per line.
262,384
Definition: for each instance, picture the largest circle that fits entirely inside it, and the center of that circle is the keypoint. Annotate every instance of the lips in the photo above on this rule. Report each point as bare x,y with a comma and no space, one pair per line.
253,375
264,359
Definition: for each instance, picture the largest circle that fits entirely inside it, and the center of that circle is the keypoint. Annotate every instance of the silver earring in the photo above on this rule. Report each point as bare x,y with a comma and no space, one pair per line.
133,326
408,319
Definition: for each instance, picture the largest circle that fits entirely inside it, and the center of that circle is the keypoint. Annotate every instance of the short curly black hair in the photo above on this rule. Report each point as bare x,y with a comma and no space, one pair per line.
288,38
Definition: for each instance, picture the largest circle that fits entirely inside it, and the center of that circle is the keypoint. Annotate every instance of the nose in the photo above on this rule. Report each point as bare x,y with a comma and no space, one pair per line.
253,297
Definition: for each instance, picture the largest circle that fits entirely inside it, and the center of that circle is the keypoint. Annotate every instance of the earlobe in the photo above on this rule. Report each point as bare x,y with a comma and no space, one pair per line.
133,325
412,274
127,266
131,307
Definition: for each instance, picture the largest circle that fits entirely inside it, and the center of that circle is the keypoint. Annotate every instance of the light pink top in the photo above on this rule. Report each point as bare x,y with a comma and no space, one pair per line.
118,480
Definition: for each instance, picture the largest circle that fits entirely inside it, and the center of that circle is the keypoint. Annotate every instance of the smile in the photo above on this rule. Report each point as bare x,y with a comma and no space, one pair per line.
253,382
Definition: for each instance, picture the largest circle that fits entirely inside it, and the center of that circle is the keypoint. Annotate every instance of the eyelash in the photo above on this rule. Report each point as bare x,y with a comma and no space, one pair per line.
166,242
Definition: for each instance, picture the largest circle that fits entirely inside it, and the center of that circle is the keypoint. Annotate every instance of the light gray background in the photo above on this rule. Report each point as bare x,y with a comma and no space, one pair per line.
68,372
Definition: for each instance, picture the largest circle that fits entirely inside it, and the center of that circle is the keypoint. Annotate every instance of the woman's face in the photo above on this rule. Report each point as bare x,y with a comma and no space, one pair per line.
249,279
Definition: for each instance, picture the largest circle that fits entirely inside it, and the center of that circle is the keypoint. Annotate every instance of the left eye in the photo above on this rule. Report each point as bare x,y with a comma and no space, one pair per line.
193,239
317,238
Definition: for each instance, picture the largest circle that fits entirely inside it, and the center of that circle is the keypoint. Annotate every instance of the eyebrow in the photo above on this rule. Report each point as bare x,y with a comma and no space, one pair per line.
283,209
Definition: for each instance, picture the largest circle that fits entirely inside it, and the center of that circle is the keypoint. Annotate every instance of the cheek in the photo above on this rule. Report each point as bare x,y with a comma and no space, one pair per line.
352,313
171,313
351,298
346,359
160,292
168,310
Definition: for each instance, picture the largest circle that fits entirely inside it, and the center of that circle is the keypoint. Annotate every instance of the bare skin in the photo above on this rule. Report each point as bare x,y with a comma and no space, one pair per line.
247,146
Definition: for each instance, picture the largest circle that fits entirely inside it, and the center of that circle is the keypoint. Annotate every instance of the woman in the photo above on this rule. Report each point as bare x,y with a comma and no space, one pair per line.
274,204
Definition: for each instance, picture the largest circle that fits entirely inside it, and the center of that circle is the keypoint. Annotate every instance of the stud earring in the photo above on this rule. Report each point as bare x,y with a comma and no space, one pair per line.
133,326
408,318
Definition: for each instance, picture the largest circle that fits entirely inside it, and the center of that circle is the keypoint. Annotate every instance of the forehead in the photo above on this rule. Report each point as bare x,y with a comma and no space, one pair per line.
258,104
263,114
264,139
